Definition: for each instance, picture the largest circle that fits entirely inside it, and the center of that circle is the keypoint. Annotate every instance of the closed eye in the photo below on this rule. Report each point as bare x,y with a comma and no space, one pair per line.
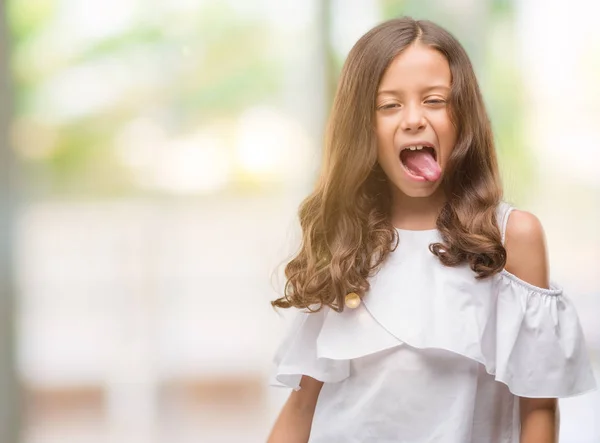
435,102
388,106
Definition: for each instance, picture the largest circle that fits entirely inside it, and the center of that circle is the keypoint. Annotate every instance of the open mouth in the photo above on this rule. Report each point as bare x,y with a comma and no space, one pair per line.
420,162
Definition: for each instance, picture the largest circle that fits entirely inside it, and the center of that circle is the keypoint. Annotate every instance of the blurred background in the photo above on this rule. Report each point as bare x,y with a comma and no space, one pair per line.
153,156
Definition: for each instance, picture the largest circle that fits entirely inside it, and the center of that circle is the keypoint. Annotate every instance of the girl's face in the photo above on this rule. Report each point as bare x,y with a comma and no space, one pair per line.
414,133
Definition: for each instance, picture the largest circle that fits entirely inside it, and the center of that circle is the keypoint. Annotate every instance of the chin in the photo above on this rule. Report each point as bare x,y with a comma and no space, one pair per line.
418,193
423,191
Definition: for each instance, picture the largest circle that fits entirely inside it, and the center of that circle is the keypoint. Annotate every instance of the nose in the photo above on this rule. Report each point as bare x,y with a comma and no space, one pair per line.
413,119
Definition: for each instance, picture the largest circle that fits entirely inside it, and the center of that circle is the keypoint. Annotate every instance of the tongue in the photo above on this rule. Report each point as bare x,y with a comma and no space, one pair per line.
422,163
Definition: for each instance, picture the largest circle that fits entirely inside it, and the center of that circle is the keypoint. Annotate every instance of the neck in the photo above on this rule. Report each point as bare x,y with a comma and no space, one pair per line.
416,213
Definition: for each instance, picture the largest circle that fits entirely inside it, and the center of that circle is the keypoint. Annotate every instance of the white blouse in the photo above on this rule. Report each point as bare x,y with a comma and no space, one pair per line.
434,355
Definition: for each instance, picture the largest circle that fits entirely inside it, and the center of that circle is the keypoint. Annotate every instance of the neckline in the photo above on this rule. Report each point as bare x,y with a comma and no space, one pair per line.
415,231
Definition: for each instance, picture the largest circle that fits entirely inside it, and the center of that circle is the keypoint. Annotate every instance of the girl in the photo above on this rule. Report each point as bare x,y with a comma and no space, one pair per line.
426,313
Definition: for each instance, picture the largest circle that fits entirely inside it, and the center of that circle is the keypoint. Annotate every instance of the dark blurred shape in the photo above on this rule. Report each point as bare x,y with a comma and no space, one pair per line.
9,386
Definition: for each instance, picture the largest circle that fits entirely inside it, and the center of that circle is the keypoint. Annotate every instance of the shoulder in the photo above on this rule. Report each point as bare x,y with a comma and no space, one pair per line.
525,227
525,245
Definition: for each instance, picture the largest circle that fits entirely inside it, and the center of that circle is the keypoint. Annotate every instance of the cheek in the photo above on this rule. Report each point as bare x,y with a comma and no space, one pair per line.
446,133
384,132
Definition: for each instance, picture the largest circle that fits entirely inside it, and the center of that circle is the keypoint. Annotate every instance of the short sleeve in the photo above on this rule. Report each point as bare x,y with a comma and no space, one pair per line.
297,354
539,349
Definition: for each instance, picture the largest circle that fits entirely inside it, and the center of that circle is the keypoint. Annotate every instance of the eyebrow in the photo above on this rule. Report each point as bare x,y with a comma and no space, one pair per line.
427,89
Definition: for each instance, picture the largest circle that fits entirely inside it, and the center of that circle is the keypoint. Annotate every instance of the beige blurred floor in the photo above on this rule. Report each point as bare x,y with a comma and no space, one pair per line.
219,411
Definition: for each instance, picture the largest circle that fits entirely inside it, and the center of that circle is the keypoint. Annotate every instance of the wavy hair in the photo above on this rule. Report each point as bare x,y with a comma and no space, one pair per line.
345,221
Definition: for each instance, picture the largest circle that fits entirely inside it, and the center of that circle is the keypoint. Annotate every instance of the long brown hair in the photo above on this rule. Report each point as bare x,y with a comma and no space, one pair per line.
346,228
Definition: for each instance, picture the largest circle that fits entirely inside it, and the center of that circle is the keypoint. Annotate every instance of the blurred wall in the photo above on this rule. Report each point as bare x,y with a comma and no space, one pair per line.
164,149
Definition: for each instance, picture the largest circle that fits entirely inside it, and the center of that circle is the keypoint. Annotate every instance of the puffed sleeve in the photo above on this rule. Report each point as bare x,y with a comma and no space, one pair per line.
537,348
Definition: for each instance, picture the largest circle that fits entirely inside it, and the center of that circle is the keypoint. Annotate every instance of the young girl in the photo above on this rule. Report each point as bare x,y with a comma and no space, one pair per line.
426,314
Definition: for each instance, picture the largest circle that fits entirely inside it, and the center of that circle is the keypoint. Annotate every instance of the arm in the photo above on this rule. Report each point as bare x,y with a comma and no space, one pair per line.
295,419
539,420
527,259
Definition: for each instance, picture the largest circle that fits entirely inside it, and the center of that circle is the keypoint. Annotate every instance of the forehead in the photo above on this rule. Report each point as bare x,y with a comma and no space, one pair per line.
417,67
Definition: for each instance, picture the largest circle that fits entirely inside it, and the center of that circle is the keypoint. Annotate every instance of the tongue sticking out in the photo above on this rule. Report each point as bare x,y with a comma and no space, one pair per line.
422,163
